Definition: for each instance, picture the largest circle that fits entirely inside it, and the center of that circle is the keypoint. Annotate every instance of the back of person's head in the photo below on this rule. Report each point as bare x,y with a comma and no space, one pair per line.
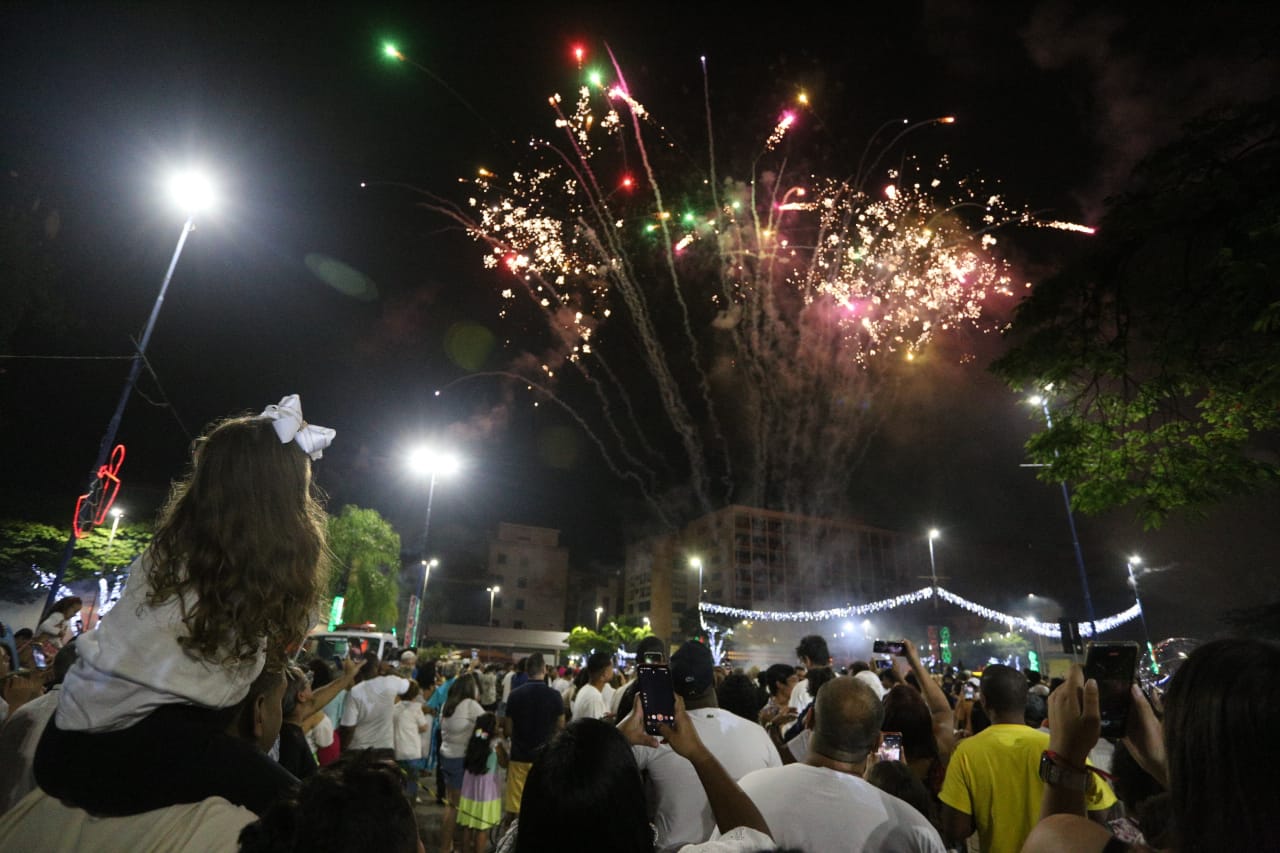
1035,710
295,682
776,676
814,649
906,711
895,778
651,644
847,716
817,677
257,717
448,671
357,803
63,660
476,759
412,693
738,695
370,666
462,689
1033,677
245,538
535,665
597,664
23,634
1004,690
856,667
321,674
585,778
1222,740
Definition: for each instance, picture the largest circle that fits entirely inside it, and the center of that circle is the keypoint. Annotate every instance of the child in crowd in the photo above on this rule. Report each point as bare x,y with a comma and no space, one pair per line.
55,630
408,724
234,571
480,806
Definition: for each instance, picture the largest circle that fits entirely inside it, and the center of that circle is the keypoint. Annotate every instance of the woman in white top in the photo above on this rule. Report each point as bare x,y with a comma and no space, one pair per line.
234,571
457,723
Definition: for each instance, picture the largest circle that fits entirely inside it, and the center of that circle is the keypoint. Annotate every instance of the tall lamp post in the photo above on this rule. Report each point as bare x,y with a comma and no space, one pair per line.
193,192
1142,612
430,462
933,568
1043,402
599,610
696,563
494,590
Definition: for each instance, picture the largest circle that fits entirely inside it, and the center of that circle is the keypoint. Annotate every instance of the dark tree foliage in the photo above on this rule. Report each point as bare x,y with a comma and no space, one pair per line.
1160,347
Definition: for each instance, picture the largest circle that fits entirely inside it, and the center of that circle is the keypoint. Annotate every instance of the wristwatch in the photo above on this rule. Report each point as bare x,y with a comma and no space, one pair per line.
1061,775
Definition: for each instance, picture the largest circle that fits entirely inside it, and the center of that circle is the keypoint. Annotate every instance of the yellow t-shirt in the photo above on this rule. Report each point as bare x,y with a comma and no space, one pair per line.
995,777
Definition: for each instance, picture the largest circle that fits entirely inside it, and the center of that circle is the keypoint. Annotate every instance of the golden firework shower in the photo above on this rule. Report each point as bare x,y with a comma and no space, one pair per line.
773,313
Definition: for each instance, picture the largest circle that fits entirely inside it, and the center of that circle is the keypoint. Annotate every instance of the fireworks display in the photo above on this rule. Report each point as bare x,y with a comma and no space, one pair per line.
773,313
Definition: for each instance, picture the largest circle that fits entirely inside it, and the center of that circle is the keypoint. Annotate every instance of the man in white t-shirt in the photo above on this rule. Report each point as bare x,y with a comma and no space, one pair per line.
824,803
683,813
366,717
590,701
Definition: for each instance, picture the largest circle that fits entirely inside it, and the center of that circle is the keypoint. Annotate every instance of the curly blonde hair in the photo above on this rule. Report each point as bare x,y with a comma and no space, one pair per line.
241,541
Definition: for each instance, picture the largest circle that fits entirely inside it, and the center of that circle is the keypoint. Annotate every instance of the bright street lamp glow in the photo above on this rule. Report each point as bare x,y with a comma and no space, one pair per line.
1135,559
934,533
192,191
430,461
1035,400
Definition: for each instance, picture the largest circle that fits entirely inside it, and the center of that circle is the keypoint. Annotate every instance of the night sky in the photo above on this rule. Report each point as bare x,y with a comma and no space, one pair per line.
321,144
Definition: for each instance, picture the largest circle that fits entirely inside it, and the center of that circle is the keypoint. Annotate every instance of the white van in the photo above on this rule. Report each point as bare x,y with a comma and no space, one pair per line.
336,646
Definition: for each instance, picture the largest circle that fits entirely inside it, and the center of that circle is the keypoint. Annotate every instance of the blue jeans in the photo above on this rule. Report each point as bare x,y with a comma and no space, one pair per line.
411,767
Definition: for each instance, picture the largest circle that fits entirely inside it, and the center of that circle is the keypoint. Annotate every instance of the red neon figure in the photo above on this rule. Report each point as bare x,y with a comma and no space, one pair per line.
97,502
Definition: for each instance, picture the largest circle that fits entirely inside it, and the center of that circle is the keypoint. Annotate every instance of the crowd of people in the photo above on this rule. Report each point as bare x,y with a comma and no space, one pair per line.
195,717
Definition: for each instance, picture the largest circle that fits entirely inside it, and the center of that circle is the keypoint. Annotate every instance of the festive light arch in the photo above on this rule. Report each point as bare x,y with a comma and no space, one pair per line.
1035,626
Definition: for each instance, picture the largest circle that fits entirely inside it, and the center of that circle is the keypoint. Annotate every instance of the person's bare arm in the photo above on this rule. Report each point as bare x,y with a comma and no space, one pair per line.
323,696
956,825
944,718
1075,725
311,721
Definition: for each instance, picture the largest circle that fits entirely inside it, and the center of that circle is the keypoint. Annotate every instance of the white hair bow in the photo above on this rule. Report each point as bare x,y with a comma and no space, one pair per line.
289,426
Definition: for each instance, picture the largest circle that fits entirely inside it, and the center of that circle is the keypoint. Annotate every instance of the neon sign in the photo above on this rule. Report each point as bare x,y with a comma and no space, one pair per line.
93,506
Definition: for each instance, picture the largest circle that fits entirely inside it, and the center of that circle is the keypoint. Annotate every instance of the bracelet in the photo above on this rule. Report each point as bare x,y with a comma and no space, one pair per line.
1088,768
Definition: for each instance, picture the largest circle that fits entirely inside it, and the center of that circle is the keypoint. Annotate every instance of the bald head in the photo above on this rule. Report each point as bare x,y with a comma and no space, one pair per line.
846,720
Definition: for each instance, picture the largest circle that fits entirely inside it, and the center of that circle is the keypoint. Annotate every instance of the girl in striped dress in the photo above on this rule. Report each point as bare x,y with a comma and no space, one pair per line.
480,806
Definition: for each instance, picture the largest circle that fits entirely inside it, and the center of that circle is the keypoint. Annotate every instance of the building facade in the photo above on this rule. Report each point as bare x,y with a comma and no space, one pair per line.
531,570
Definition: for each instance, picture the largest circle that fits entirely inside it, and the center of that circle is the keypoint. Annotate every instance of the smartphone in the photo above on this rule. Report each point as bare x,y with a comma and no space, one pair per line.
889,647
1113,666
890,747
884,663
653,657
968,691
37,655
657,698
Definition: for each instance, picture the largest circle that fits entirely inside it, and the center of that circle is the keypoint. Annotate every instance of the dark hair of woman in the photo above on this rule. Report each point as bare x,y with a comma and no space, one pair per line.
585,778
896,778
357,803
68,606
739,695
462,688
243,540
412,693
775,676
1222,740
906,711
476,761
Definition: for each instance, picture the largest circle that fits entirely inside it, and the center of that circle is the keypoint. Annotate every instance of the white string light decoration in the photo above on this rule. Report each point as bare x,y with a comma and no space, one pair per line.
1034,626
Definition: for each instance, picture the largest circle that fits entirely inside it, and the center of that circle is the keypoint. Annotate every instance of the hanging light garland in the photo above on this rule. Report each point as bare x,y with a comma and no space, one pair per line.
1034,626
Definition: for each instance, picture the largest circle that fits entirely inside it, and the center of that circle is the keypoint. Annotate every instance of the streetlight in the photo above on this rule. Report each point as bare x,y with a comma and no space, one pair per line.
933,568
599,610
420,613
492,590
696,563
192,192
430,462
1142,613
1043,402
